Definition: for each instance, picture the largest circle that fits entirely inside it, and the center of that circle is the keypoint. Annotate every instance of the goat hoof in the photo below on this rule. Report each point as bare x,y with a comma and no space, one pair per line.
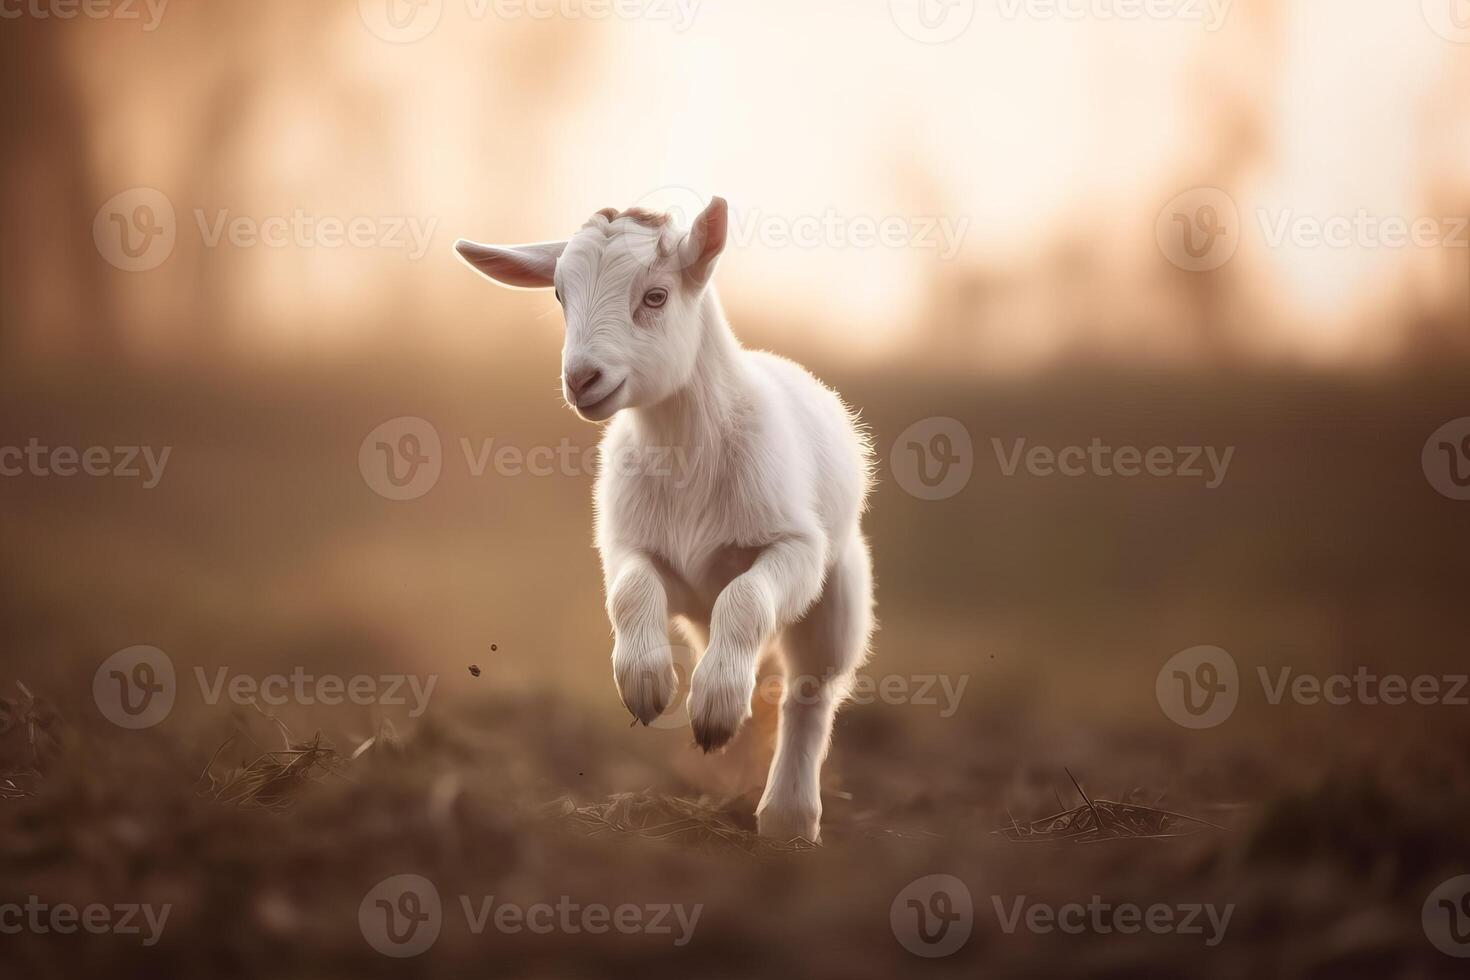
787,823
717,708
646,685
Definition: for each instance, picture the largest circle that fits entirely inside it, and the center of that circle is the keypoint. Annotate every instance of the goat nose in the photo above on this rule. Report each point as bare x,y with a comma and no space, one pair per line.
581,379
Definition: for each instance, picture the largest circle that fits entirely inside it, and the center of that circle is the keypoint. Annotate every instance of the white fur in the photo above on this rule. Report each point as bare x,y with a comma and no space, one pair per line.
758,540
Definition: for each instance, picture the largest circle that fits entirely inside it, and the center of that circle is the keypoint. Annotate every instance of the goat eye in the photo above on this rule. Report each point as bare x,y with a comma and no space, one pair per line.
655,298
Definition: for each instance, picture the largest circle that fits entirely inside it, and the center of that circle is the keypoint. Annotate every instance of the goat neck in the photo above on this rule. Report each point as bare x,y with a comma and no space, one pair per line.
704,412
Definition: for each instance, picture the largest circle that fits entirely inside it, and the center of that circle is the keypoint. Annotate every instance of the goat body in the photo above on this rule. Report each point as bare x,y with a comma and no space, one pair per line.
758,543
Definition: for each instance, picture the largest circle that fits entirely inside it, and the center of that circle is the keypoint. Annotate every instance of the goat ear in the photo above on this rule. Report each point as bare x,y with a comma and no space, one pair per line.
521,266
705,242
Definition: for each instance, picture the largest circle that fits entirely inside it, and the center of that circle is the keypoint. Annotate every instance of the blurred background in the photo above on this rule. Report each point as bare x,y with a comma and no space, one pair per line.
227,233
1053,143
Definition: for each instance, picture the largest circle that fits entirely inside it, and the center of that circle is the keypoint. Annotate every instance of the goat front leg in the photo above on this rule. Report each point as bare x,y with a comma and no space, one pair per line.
780,585
643,663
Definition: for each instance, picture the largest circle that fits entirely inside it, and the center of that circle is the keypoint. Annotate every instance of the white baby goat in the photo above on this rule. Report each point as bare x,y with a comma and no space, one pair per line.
762,542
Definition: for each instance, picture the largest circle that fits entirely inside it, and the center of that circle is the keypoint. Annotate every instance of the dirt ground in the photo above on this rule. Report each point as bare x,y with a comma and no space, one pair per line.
1321,830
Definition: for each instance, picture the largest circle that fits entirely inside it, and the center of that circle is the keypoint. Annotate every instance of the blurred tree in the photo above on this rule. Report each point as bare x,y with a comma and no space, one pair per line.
53,293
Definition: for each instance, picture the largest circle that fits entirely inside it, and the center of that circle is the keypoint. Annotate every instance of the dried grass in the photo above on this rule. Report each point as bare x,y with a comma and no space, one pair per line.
272,779
41,725
1102,820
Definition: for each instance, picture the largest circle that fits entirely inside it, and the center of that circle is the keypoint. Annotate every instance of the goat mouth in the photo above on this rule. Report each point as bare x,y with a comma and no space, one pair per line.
595,408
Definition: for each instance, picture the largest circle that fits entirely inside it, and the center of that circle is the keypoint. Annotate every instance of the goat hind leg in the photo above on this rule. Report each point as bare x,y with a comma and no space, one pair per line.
823,650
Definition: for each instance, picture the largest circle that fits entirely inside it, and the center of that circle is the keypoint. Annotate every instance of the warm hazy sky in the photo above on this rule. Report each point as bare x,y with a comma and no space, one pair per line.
818,120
